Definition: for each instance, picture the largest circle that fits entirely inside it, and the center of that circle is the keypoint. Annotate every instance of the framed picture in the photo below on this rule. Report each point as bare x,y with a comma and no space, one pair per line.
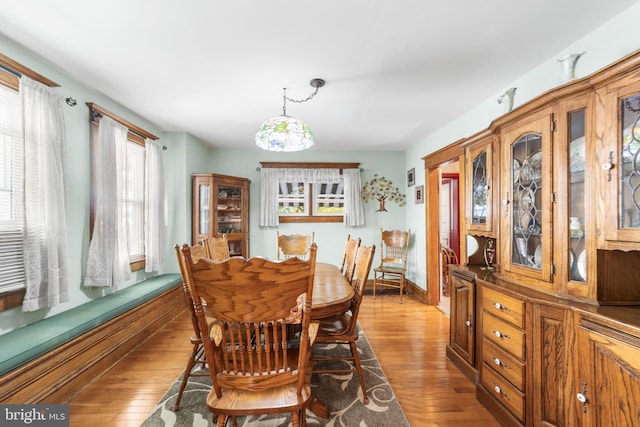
411,177
419,194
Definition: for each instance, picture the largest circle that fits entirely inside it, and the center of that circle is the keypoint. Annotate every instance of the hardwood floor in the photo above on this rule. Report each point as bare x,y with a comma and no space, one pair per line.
409,340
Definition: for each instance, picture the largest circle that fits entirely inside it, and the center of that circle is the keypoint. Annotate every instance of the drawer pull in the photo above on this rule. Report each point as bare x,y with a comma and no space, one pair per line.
499,306
500,335
581,398
468,322
500,362
498,390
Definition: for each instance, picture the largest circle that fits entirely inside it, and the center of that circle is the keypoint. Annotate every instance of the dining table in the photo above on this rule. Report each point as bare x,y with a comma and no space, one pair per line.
332,292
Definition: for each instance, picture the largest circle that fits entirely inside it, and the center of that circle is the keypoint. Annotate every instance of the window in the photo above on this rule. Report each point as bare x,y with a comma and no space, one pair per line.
132,197
12,275
310,192
302,199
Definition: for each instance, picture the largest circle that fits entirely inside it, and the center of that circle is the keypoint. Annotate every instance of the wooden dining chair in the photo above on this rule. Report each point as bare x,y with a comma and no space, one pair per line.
294,245
197,357
349,257
448,257
217,247
342,329
391,272
255,366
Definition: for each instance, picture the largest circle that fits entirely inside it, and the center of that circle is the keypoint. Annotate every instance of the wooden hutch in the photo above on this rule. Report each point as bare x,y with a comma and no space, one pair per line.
551,335
221,206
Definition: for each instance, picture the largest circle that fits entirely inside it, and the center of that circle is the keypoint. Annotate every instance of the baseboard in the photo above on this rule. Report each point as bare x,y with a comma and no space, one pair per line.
57,376
410,288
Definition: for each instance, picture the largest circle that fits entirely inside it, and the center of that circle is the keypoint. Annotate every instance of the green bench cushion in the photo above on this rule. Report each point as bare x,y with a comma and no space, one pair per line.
28,342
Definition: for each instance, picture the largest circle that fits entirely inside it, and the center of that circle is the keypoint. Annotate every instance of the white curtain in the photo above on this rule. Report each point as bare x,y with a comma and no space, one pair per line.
154,207
108,261
353,210
271,177
45,243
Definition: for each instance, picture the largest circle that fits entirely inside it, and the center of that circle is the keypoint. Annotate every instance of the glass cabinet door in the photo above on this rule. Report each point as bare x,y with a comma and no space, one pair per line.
526,216
202,215
619,162
480,190
229,209
576,256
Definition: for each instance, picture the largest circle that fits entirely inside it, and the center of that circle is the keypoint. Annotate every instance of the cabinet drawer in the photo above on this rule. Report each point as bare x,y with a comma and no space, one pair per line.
505,307
504,392
503,335
503,363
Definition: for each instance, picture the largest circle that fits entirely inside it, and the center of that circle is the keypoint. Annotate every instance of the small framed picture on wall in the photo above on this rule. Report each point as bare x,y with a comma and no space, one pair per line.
411,177
419,194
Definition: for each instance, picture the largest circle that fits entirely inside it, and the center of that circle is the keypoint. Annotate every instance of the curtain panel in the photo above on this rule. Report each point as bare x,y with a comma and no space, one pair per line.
45,246
270,178
154,207
108,260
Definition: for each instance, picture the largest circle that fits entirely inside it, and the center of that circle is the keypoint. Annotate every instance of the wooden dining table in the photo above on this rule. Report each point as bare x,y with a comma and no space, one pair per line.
332,293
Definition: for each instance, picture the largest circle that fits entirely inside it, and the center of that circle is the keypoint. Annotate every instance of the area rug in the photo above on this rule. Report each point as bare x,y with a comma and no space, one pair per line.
340,391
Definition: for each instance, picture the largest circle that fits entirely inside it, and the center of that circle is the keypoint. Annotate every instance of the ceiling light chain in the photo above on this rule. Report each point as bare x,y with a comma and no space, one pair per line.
317,83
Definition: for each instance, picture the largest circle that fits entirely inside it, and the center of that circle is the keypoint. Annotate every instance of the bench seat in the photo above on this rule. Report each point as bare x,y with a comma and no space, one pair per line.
36,340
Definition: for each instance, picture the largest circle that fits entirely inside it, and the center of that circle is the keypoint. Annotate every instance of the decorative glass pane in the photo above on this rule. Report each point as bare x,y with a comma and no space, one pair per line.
630,173
229,209
577,256
526,174
479,189
203,220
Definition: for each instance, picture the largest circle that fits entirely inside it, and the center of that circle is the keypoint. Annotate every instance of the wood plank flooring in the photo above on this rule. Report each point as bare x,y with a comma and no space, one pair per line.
409,340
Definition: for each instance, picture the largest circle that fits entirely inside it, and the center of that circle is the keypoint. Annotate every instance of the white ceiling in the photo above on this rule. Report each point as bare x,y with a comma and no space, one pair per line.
396,70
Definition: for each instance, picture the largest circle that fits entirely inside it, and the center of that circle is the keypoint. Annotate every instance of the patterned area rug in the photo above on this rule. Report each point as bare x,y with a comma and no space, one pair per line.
340,391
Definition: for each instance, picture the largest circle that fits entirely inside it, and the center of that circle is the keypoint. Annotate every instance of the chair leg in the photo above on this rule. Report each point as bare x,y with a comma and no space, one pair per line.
187,373
295,419
375,282
356,362
401,287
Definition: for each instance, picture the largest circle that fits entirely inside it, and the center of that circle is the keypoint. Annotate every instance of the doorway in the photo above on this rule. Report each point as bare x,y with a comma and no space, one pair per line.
435,165
449,228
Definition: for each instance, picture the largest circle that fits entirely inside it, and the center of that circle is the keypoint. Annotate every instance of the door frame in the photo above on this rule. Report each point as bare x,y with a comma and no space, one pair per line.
432,163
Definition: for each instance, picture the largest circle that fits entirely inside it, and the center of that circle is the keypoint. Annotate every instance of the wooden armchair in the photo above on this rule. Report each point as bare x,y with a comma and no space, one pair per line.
197,353
254,366
342,329
294,245
349,257
217,247
392,270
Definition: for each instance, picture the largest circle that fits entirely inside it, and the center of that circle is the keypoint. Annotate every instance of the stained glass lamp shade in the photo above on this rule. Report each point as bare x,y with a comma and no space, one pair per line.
284,133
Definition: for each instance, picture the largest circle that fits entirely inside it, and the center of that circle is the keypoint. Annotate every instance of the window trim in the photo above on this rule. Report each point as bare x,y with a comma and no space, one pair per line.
310,165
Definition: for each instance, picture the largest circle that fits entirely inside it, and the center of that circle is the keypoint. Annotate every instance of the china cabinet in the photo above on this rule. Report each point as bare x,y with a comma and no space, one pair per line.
221,206
555,329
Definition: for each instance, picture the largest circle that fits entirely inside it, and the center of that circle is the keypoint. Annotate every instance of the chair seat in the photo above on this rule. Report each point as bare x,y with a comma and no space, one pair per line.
334,326
240,402
389,269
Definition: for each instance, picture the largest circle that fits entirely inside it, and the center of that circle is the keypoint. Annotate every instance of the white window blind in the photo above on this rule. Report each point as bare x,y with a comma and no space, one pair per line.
12,274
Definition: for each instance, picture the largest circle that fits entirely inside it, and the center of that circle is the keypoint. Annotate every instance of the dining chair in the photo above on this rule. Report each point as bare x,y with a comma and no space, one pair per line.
392,270
448,257
255,366
217,247
197,352
343,328
349,257
294,245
